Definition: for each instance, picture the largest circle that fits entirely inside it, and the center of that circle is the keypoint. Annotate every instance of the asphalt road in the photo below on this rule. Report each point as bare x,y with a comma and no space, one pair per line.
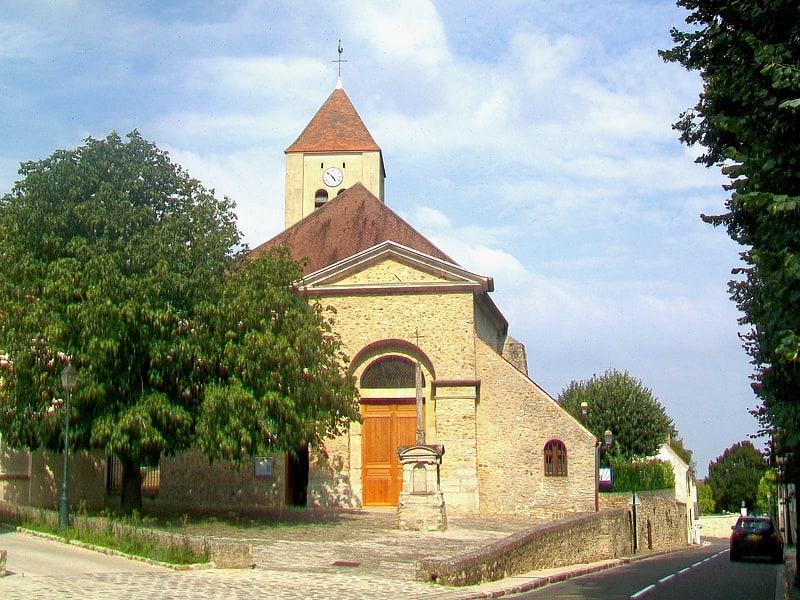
706,573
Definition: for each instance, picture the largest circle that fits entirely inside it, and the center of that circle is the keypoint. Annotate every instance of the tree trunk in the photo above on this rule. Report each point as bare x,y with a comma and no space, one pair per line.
131,499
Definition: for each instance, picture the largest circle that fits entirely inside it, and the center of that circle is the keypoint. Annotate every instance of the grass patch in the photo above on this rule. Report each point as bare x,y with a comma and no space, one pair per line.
235,523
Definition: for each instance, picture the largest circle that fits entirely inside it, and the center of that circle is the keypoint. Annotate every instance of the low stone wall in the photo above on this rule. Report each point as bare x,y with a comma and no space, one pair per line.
582,539
592,537
222,554
717,526
661,522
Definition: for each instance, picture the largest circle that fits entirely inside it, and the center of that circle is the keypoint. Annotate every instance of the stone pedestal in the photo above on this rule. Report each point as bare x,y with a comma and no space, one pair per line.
421,503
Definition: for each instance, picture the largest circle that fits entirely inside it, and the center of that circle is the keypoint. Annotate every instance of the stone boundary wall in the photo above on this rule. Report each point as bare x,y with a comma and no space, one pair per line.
717,526
661,521
222,554
585,538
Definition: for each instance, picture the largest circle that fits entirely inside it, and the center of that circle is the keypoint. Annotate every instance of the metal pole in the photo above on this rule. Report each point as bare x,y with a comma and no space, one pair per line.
635,532
63,506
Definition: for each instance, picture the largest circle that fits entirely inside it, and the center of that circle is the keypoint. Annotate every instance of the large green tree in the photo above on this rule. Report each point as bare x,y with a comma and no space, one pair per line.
116,261
285,381
734,477
746,119
705,498
618,402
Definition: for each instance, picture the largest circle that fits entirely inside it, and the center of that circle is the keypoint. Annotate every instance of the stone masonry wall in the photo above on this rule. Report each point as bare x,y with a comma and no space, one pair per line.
516,419
514,352
35,478
494,442
190,483
660,520
580,539
456,430
717,526
444,323
445,326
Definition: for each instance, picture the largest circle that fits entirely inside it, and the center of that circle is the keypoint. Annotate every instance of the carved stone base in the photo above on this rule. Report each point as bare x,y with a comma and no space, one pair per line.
421,512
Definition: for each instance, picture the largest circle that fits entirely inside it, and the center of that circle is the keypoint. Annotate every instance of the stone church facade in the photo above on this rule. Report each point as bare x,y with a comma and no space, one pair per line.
399,301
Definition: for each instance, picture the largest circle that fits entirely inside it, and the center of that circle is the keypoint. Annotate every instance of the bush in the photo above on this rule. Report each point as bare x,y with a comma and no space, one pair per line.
642,476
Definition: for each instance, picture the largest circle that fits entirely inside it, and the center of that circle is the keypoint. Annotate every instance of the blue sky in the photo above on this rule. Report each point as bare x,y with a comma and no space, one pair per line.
531,140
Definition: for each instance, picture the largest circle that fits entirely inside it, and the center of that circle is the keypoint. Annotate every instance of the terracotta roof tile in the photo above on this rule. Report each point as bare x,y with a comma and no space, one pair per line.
350,223
335,127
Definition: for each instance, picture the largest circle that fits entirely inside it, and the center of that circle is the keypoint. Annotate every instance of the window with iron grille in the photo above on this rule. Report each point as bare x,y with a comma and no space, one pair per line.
390,372
555,459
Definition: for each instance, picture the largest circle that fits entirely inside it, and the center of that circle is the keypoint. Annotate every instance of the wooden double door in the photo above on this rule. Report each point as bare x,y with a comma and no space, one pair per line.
386,425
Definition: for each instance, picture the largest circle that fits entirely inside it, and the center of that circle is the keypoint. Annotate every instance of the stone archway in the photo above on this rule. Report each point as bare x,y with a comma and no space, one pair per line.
388,409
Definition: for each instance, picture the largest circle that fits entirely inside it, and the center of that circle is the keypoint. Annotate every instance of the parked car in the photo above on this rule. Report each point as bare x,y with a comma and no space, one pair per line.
756,537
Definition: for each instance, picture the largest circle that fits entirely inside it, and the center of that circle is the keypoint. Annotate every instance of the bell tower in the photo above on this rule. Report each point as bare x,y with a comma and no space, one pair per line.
333,152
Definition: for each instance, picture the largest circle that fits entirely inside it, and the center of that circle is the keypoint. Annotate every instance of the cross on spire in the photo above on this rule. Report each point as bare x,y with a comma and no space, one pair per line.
339,60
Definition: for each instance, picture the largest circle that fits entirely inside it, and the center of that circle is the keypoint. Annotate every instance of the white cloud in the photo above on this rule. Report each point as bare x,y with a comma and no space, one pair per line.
407,32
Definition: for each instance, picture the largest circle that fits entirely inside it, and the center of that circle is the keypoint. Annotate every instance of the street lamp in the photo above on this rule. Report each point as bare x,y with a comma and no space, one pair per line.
69,379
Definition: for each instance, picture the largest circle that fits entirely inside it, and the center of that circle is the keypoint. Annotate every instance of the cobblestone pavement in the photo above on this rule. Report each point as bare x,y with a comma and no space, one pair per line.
360,555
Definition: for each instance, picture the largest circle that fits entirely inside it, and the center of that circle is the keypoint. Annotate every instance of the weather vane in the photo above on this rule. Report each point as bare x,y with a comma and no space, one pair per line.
339,60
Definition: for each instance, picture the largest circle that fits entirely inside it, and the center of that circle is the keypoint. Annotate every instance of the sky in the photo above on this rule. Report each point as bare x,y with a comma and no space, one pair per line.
530,140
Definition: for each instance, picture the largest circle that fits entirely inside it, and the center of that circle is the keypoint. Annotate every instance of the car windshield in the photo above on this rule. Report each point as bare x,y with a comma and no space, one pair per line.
754,525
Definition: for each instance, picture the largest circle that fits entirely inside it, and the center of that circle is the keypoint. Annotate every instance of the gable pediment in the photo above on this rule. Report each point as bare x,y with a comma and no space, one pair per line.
351,223
391,265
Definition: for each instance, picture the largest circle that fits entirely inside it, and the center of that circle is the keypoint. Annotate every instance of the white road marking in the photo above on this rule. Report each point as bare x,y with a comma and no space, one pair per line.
642,592
699,563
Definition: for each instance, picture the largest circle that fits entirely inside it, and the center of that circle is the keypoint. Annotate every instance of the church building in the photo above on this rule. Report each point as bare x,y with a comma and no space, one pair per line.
401,302
420,330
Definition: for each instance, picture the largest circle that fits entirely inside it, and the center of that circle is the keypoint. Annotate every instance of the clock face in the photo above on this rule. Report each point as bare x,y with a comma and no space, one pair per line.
332,177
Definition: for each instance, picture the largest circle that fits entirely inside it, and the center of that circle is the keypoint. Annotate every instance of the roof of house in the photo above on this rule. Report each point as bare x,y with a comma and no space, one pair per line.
351,222
336,127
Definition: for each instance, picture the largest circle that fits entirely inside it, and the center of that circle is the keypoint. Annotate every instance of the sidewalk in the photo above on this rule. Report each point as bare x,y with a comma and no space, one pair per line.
792,592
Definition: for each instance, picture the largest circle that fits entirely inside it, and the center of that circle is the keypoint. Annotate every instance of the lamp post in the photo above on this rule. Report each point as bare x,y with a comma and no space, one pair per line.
69,379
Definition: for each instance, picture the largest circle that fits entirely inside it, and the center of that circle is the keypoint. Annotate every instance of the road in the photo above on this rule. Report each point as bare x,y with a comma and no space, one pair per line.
705,573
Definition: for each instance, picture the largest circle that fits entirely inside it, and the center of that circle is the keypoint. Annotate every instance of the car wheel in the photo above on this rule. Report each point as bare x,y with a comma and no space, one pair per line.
735,557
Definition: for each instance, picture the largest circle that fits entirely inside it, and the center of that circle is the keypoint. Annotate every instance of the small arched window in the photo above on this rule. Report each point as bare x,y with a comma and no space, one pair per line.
320,198
555,459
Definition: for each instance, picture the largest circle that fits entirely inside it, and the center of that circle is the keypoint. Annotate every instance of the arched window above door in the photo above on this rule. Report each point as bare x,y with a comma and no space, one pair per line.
390,372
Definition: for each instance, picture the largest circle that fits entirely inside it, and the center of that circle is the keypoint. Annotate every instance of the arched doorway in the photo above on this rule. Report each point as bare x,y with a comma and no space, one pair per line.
388,410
